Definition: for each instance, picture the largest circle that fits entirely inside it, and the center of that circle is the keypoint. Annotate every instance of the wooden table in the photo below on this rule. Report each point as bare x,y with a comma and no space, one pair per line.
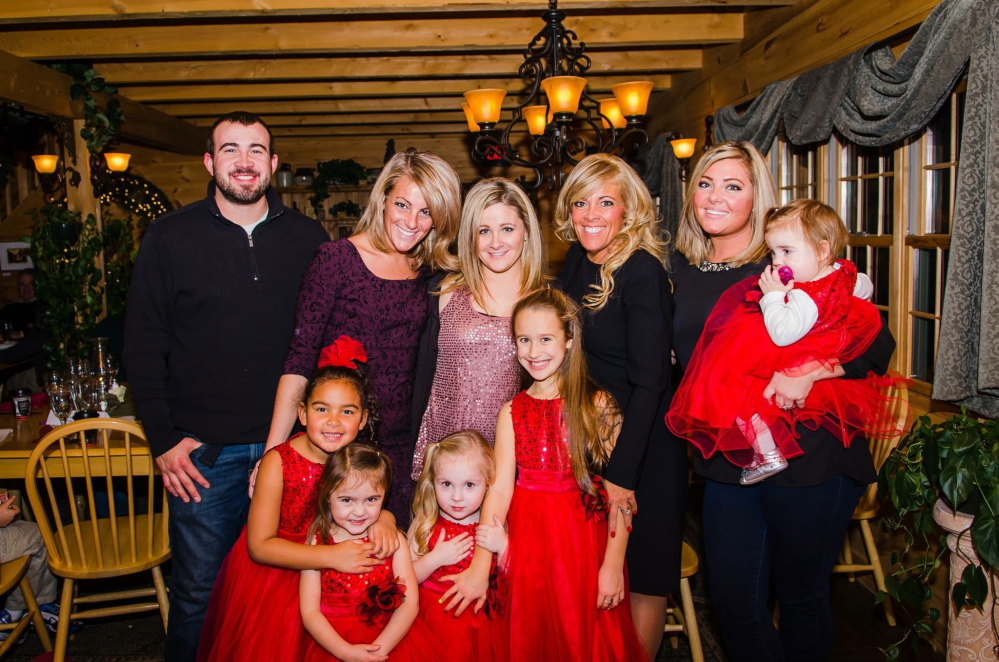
14,452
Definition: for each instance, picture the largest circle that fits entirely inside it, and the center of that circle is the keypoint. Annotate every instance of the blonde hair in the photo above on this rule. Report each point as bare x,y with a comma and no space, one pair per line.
353,462
818,222
464,444
441,187
589,414
485,194
639,229
692,241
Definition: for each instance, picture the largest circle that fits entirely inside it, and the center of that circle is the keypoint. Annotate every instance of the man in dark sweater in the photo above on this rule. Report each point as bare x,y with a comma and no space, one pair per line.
210,315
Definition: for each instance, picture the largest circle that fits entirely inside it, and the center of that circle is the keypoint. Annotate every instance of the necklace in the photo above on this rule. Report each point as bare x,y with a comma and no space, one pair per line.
407,274
715,266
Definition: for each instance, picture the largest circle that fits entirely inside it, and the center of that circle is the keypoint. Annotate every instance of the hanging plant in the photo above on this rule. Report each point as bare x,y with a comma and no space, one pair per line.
67,279
119,259
347,172
100,125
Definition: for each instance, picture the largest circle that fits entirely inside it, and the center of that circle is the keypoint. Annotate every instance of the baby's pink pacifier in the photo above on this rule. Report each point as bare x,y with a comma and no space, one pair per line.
785,274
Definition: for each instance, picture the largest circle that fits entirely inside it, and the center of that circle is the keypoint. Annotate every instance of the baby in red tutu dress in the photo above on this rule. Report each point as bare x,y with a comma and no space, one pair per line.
799,317
457,471
360,617
257,585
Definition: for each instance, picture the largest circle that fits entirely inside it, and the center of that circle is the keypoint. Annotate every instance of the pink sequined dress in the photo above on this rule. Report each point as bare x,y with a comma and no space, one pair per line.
351,602
556,548
480,636
477,371
254,612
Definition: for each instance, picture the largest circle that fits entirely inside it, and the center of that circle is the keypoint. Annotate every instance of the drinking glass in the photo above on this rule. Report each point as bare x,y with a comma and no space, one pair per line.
62,403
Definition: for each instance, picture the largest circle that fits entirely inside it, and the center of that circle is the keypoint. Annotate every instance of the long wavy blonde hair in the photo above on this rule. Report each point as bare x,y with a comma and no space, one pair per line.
485,194
693,242
441,187
590,415
639,230
467,444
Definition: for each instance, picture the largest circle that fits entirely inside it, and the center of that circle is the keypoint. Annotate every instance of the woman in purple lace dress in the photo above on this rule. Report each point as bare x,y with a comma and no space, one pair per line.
468,365
372,287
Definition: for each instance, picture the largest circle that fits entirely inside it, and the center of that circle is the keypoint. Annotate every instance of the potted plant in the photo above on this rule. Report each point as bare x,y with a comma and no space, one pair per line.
955,462
347,172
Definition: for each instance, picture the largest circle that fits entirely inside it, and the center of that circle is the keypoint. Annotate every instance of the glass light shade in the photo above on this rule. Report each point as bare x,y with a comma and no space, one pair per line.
117,161
45,163
633,97
563,93
485,105
472,126
537,119
611,110
683,148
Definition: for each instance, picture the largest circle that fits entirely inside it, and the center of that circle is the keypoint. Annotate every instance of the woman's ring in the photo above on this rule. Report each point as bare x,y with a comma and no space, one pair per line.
787,407
626,511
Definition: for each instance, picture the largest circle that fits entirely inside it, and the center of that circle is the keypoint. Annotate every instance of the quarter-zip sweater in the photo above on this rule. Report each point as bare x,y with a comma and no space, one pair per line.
210,315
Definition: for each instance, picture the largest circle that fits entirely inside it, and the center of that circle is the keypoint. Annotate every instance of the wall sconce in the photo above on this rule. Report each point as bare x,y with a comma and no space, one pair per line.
683,149
51,178
45,164
117,161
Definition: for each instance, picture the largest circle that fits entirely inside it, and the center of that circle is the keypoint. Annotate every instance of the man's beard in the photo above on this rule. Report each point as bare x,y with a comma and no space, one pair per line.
242,195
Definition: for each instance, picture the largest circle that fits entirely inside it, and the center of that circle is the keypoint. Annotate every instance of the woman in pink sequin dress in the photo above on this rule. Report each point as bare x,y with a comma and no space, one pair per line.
467,351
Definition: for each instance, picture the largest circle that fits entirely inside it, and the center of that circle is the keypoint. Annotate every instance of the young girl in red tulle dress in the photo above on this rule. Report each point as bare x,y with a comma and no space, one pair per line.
352,617
799,316
567,592
254,610
445,529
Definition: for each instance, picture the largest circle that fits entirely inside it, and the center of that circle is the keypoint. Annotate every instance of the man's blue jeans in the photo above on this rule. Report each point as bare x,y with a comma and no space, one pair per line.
201,535
788,537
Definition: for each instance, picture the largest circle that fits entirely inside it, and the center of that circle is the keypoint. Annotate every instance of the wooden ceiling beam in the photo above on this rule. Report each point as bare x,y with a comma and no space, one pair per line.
424,66
307,107
42,90
75,11
347,119
373,36
425,88
456,127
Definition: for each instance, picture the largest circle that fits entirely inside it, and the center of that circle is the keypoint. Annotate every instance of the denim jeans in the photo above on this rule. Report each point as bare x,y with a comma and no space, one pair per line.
201,535
785,536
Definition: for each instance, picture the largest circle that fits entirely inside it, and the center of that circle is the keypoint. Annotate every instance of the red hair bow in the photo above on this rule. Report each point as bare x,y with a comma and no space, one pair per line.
343,353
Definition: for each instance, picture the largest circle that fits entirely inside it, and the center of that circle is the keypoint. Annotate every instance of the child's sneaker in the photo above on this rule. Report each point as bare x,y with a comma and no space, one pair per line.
50,614
770,463
6,618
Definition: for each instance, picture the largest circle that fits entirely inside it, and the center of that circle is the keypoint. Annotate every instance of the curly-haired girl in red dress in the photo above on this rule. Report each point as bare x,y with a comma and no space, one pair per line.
799,315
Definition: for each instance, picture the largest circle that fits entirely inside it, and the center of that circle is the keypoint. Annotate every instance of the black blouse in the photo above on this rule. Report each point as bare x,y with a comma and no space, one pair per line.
695,293
627,345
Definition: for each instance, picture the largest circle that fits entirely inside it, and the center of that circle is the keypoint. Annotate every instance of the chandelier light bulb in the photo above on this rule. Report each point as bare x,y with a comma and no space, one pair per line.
633,97
470,117
485,105
683,148
611,110
563,93
537,119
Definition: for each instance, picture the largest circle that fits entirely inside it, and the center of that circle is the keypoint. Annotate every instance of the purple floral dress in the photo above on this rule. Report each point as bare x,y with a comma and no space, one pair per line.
339,296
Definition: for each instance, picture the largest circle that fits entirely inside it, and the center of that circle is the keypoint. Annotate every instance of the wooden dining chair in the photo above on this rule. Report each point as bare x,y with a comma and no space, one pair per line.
867,509
14,573
684,619
104,538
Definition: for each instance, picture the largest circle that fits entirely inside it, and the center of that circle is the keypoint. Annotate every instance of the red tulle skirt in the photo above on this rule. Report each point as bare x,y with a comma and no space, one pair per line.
419,644
734,361
475,637
556,547
254,611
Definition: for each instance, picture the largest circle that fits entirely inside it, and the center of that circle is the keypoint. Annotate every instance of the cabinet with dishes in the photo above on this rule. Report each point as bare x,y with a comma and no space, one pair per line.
338,213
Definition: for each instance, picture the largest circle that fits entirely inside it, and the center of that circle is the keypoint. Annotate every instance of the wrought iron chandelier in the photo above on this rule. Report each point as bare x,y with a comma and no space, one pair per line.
553,63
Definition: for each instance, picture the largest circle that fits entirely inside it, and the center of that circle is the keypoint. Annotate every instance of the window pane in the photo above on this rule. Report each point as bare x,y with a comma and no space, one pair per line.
888,205
880,274
870,160
849,202
924,281
923,336
938,201
870,204
960,122
858,255
938,136
889,159
849,157
943,275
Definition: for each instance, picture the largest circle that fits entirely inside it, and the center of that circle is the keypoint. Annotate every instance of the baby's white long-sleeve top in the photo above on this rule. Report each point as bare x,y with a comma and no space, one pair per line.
790,321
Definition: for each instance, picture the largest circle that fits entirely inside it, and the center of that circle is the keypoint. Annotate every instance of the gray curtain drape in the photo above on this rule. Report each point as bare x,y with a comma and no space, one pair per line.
967,366
868,96
660,171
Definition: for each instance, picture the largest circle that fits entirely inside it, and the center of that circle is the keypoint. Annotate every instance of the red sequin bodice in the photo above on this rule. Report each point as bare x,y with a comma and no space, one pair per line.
832,294
539,434
451,530
335,582
298,496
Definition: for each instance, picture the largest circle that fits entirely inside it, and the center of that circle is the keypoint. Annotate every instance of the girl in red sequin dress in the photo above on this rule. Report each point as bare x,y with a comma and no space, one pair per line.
794,325
257,586
565,577
442,537
360,617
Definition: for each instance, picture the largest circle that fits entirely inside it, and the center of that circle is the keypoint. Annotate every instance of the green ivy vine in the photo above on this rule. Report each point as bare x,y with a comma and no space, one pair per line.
101,125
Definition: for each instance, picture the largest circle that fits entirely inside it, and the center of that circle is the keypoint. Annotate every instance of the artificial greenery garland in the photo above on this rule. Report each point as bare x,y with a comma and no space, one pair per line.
138,195
101,125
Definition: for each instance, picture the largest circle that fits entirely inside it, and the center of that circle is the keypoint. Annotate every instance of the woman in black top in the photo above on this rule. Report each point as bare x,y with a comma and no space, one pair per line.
614,269
786,530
